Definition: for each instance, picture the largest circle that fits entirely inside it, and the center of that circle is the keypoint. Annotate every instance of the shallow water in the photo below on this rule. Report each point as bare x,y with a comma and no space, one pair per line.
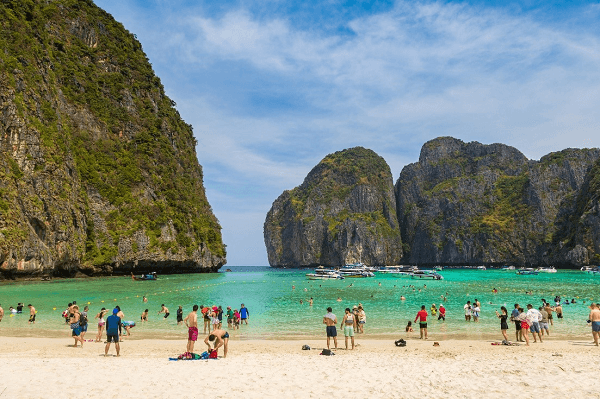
275,309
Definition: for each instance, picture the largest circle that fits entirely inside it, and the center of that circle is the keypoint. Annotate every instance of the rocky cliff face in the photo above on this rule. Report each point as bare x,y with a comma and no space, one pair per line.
343,212
577,239
98,173
469,203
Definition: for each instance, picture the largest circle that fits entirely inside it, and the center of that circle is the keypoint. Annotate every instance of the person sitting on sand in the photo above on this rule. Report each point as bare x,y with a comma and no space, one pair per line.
220,338
409,328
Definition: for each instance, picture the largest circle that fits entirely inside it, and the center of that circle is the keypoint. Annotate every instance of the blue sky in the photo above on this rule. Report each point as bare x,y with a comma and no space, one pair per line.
271,87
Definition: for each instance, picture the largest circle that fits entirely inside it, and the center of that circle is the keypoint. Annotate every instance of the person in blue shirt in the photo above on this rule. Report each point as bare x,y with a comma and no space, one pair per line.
112,331
244,314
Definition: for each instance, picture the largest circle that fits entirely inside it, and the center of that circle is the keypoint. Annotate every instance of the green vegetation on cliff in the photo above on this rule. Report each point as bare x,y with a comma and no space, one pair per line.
83,83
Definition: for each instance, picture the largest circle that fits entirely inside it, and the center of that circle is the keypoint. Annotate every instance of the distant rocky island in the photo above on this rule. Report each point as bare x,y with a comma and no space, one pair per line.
98,172
460,204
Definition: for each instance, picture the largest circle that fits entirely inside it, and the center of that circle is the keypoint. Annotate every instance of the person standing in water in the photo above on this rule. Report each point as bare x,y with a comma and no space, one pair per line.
244,313
31,314
165,310
330,321
180,315
422,317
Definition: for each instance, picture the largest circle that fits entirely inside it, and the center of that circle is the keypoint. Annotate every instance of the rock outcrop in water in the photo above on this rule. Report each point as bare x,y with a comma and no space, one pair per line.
98,173
343,212
460,204
469,203
577,240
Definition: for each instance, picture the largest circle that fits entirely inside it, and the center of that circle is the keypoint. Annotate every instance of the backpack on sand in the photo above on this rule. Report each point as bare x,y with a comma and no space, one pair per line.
400,342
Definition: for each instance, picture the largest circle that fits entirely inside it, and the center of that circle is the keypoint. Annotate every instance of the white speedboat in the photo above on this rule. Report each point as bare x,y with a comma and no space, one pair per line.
593,270
397,270
321,273
550,269
507,268
481,268
527,271
426,274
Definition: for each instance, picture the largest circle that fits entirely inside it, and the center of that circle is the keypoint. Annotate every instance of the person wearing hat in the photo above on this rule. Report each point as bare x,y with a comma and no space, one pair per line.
229,317
112,331
442,312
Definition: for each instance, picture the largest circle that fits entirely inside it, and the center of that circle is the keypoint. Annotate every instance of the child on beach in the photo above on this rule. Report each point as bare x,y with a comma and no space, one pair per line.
409,327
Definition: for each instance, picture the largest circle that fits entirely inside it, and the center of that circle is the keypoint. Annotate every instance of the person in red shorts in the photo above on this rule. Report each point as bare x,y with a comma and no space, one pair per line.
422,317
191,321
524,324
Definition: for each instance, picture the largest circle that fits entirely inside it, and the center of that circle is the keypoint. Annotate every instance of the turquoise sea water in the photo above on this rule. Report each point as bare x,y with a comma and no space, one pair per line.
275,309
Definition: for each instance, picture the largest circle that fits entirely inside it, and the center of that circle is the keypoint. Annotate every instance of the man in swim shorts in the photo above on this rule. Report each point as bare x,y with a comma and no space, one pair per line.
544,321
31,314
191,321
112,331
533,319
244,313
422,317
165,310
514,318
594,317
348,324
220,338
330,321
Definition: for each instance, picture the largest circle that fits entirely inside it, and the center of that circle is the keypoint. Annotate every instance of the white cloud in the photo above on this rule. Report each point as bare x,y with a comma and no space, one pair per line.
399,78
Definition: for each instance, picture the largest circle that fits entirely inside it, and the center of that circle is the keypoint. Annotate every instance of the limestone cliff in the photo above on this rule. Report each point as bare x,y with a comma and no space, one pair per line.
577,239
469,203
98,173
343,212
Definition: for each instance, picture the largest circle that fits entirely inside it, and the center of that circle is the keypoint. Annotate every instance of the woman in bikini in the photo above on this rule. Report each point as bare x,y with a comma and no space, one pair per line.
101,323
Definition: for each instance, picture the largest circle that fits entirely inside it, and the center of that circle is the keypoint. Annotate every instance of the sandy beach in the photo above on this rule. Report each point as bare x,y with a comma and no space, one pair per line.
43,367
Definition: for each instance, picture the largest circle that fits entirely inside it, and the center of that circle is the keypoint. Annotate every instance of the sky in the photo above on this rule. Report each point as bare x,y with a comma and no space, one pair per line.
271,86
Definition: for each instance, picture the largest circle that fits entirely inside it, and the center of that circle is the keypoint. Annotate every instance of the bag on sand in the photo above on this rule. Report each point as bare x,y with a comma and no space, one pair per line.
305,347
327,352
400,342
212,354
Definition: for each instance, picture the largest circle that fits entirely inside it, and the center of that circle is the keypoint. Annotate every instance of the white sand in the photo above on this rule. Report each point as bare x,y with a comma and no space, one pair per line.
47,368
